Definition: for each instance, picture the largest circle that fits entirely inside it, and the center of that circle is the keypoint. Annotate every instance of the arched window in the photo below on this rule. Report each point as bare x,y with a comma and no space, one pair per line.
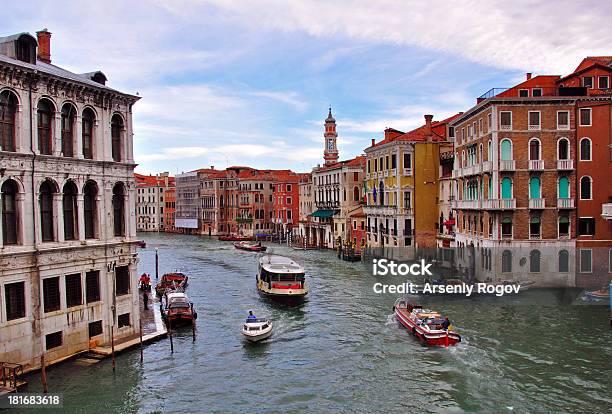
507,227
381,193
585,188
87,134
506,261
563,187
534,149
69,207
534,261
119,210
585,149
116,131
47,189
489,151
45,126
506,150
356,194
8,109
506,187
68,118
10,224
535,188
563,261
563,149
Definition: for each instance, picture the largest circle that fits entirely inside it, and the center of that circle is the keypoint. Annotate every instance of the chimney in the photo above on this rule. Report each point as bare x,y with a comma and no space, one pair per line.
428,119
44,45
373,141
528,75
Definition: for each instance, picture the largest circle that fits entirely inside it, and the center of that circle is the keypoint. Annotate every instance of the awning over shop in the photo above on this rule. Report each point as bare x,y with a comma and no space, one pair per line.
324,213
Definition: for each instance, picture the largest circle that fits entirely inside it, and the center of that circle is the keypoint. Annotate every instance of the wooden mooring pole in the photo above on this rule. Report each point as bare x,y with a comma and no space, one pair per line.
43,374
170,334
141,350
112,346
192,323
156,263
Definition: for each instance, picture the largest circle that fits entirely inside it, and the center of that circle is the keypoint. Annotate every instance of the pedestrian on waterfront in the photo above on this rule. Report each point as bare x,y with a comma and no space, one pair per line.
145,299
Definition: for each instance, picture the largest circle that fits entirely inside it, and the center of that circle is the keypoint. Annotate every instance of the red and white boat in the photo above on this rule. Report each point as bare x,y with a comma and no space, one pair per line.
177,309
250,247
425,324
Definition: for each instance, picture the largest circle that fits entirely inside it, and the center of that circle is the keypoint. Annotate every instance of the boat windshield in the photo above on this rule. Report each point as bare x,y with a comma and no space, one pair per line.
287,277
256,320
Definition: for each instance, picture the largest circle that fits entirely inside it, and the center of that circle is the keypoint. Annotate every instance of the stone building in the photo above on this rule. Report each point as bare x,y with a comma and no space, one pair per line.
67,251
186,216
306,207
402,187
150,193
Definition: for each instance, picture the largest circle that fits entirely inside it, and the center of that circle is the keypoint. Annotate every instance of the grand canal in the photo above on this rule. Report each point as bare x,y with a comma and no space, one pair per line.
341,351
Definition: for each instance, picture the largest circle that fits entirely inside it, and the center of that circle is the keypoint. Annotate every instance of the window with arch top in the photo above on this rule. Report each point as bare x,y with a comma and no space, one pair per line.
68,121
585,149
534,149
116,132
10,224
586,188
87,133
69,209
506,149
8,111
563,149
119,210
47,190
45,126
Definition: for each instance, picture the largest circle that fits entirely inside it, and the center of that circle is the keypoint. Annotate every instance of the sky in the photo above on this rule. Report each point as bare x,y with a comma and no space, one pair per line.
232,82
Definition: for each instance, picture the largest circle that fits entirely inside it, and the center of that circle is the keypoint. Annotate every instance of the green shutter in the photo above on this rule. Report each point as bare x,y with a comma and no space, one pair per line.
506,187
563,187
506,150
534,187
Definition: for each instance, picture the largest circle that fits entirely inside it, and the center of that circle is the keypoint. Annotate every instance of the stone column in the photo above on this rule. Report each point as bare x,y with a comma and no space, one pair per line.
78,138
57,134
58,217
81,216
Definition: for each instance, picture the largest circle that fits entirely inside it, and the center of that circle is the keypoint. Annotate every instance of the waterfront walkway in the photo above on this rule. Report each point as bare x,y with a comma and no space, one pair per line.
153,328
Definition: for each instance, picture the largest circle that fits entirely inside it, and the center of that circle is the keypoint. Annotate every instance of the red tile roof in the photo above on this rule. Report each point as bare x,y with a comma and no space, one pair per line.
353,162
438,133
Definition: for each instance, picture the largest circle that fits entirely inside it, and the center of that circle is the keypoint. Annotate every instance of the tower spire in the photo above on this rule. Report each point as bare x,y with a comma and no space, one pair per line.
330,152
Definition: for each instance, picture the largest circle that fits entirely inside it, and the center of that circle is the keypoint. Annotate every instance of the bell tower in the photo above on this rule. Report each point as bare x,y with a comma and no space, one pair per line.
330,153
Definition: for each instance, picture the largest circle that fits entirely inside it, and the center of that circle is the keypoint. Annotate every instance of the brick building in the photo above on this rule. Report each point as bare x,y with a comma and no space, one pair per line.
520,171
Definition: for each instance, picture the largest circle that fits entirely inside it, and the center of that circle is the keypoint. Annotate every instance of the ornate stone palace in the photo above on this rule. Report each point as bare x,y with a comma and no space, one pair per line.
67,247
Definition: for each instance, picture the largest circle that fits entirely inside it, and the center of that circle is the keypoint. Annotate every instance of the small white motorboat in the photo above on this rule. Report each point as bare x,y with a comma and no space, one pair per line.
257,329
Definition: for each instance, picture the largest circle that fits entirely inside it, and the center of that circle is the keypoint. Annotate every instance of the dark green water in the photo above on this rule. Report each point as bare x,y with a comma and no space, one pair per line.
342,351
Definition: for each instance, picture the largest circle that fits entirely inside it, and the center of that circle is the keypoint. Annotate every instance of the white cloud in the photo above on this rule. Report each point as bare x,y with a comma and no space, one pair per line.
522,34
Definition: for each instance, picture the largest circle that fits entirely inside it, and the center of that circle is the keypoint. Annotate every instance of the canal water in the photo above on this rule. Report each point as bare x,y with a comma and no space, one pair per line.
342,351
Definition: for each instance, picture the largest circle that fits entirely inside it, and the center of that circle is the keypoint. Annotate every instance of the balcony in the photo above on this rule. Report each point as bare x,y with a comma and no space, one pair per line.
487,166
456,173
564,165
407,172
536,165
565,203
536,203
373,210
606,211
393,171
405,211
471,170
466,204
499,204
507,165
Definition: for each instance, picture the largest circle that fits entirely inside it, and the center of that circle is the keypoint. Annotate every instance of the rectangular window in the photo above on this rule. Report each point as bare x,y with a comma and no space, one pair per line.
451,132
123,320
523,93
74,290
122,280
604,82
505,120
585,116
53,340
14,299
586,226
393,161
288,200
489,122
534,120
51,294
564,228
562,119
536,92
407,160
288,187
586,260
587,81
95,329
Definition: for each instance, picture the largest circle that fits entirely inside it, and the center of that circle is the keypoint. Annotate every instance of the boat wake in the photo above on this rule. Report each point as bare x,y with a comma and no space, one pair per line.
391,320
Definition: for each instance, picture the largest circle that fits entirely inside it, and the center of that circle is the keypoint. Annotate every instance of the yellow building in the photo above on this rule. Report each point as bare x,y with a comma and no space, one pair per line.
402,174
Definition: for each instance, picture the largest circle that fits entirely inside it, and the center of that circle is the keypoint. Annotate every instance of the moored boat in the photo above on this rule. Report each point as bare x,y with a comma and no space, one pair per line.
170,282
250,247
597,295
177,309
141,243
425,324
281,278
256,329
235,237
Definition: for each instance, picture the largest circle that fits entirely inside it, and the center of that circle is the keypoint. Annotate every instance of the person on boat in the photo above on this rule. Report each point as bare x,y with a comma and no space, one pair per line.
251,317
446,323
